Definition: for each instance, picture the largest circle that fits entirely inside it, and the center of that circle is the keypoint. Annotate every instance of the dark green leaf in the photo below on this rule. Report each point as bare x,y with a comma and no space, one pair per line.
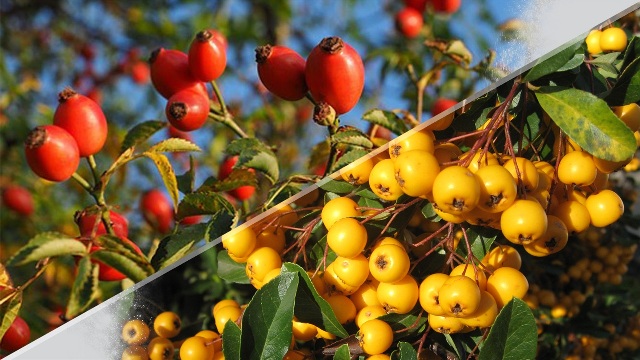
237,178
477,115
386,119
513,335
429,213
232,341
337,186
347,158
627,88
203,203
167,174
575,61
589,121
220,223
85,288
174,145
173,247
342,353
410,324
632,52
352,137
256,155
606,62
406,351
550,64
44,245
140,133
480,239
231,271
186,181
266,323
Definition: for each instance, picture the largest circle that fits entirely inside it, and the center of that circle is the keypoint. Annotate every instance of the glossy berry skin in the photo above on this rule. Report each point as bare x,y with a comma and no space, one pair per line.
170,72
446,6
419,5
52,153
241,192
207,56
140,73
441,104
18,335
88,220
187,110
83,119
18,199
335,74
157,210
409,21
281,71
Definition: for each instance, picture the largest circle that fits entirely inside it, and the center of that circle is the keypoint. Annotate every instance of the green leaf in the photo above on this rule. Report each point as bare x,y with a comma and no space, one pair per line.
352,137
167,174
480,238
386,119
203,203
342,353
347,158
9,309
606,62
231,271
175,246
140,133
44,245
575,61
410,324
266,323
513,335
231,341
406,351
186,181
122,257
589,121
310,307
252,153
477,115
237,178
550,64
337,187
219,224
174,145
85,289
627,88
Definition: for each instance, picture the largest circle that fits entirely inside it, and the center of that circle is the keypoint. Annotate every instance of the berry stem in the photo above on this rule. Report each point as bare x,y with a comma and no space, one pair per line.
83,182
94,168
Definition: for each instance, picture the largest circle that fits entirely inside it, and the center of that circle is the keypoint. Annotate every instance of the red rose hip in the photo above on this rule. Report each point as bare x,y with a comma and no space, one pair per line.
281,71
52,153
207,56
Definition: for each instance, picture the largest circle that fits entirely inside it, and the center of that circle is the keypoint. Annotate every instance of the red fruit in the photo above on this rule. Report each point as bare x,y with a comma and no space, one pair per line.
335,74
170,73
242,192
441,104
221,39
140,72
419,5
409,22
18,335
187,110
52,153
83,119
446,6
173,132
191,220
88,220
18,199
106,272
157,210
207,56
281,71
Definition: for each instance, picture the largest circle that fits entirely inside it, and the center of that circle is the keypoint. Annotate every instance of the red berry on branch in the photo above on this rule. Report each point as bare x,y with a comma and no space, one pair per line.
52,153
187,110
409,22
207,56
17,335
242,192
281,71
18,199
157,210
170,72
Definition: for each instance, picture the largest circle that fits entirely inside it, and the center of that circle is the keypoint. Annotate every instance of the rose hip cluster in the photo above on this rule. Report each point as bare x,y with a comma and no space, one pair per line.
181,78
333,73
410,20
79,129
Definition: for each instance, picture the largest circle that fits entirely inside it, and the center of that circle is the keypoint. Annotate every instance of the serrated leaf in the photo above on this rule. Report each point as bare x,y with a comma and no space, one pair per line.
386,119
352,137
266,323
126,156
347,158
310,307
167,174
219,224
231,271
9,310
549,65
231,341
627,88
203,203
342,353
237,178
406,351
44,245
588,121
252,153
85,289
337,186
513,335
174,145
173,247
140,133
